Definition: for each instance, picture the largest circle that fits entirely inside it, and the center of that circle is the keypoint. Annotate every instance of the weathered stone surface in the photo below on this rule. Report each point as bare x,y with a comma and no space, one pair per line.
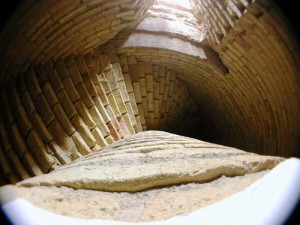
148,176
148,205
153,159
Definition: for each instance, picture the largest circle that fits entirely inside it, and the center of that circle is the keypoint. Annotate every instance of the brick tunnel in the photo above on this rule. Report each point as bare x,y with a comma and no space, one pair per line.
77,76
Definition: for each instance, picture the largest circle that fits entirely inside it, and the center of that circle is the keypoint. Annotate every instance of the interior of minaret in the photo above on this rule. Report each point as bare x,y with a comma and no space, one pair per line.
77,76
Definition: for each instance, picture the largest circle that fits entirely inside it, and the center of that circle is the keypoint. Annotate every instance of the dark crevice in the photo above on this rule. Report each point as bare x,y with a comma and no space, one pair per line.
7,10
200,126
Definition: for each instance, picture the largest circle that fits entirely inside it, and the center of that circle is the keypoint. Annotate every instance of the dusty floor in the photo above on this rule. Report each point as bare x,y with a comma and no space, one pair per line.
148,205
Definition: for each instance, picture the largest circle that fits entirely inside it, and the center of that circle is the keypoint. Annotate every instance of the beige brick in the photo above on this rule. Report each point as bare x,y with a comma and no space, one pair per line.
141,113
130,113
147,68
171,89
90,36
142,82
167,78
117,71
89,46
131,60
56,42
92,10
75,74
105,85
93,3
145,105
37,147
114,120
156,90
83,130
63,119
66,103
166,92
71,90
75,155
123,128
73,14
62,69
151,125
137,92
103,27
50,95
89,84
82,147
59,153
161,85
149,82
55,81
44,109
99,137
144,127
113,132
128,83
119,101
84,113
128,123
60,136
109,139
133,103
114,105
77,42
123,91
156,109
124,64
114,58
155,71
40,126
31,165
140,66
84,94
95,79
102,109
134,76
81,64
100,123
78,26
111,79
138,124
102,95
150,102
156,123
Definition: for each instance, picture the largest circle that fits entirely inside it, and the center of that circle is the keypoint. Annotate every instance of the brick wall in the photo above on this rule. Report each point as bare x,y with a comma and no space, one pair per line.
69,108
44,30
60,112
60,102
261,54
256,100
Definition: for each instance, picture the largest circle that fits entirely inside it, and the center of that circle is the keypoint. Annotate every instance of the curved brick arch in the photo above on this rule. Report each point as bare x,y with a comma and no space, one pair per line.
60,102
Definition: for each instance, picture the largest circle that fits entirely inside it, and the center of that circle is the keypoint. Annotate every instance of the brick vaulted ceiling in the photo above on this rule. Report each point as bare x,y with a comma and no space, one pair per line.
77,75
